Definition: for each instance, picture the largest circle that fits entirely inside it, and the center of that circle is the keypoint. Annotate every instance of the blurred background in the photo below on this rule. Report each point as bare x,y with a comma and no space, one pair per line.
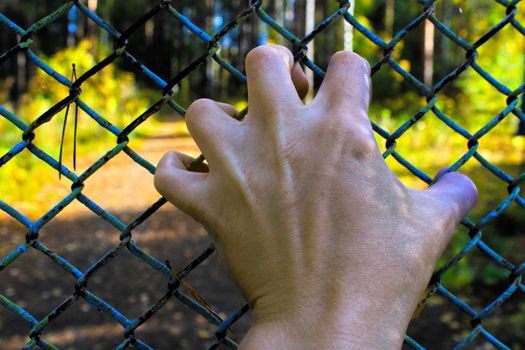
120,92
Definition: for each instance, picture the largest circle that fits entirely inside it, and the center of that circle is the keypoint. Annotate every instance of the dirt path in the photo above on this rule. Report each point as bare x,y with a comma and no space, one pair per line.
124,189
121,184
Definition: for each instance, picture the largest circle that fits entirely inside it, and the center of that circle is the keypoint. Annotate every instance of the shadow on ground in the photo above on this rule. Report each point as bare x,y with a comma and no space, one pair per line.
130,285
36,283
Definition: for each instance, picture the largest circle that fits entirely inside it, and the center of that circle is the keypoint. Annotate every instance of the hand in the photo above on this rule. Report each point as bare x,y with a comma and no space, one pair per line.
328,247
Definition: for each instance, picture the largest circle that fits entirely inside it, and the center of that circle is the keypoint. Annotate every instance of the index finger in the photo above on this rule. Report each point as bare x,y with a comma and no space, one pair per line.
347,83
270,84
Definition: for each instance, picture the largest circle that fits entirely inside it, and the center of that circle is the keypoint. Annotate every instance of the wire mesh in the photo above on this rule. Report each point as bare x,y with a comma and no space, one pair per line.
28,131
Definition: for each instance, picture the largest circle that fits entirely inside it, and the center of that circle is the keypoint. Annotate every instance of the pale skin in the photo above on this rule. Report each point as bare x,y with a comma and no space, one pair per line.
328,247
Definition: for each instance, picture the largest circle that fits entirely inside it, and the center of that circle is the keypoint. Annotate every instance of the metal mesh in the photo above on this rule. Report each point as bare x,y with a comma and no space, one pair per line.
37,327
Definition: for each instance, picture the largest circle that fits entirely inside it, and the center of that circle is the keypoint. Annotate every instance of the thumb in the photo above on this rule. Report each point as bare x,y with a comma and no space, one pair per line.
184,188
456,191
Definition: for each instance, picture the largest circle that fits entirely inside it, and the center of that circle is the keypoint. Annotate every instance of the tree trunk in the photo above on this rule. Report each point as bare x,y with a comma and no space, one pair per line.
389,17
309,26
210,28
521,126
21,76
428,54
92,26
348,36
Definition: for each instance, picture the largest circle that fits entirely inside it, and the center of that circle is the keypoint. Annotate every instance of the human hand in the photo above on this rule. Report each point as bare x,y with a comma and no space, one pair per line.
330,250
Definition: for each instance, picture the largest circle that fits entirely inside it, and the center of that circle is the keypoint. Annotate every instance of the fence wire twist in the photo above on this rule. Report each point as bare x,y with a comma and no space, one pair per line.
213,41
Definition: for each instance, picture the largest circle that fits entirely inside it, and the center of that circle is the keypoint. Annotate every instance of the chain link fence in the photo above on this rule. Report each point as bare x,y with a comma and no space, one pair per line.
36,328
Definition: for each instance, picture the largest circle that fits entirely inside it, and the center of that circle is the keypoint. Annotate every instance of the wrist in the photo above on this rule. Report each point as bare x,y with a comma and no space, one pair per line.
356,325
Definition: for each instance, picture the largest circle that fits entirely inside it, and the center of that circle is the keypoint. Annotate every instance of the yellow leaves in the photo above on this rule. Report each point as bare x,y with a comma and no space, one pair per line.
180,128
405,64
203,334
111,92
518,142
7,84
240,105
364,21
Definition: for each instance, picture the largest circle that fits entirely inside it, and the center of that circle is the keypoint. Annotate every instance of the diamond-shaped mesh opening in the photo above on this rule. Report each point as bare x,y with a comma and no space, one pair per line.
79,235
169,234
509,42
9,132
128,284
82,326
31,198
108,190
509,223
503,138
18,279
185,329
429,133
48,139
12,233
458,16
13,330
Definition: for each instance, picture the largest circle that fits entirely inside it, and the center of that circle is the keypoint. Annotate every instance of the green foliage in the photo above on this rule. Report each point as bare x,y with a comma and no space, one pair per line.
112,92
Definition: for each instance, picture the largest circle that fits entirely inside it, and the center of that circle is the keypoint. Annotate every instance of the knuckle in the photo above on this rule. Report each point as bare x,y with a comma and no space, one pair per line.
358,135
360,139
159,179
463,179
197,107
463,184
363,144
261,54
366,65
351,58
284,51
468,189
344,55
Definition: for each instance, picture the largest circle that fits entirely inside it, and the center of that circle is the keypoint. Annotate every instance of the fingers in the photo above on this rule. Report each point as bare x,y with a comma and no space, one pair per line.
183,188
457,192
270,85
300,81
227,108
212,127
347,84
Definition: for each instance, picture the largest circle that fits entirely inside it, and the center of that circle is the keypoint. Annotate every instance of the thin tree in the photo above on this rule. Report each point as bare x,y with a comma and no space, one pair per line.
389,17
348,29
428,53
308,27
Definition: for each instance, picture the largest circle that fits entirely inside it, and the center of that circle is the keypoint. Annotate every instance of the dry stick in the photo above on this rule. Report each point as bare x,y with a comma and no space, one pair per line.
73,79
